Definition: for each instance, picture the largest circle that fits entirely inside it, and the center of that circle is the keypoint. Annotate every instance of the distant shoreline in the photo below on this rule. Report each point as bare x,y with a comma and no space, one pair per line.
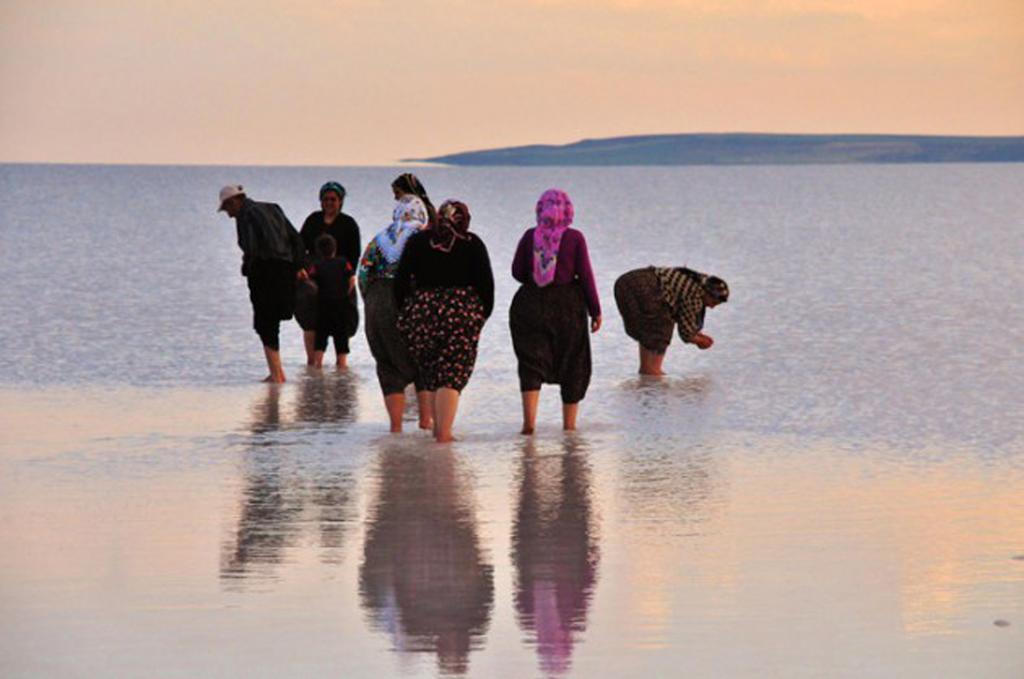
749,149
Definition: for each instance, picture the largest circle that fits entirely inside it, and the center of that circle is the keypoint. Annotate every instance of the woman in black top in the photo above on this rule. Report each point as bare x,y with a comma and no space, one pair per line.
445,290
330,220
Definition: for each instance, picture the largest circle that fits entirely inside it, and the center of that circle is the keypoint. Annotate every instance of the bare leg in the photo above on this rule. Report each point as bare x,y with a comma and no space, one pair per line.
530,399
342,361
309,339
425,401
650,362
446,402
274,365
569,413
395,405
318,360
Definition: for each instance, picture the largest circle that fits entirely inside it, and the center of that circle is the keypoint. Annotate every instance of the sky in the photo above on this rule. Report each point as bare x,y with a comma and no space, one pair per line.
368,82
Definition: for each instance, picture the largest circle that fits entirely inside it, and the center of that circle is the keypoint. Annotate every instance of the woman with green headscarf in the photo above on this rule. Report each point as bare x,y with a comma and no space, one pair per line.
331,221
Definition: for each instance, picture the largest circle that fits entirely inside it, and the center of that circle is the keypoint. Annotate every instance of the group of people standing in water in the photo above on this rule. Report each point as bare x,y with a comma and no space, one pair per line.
428,289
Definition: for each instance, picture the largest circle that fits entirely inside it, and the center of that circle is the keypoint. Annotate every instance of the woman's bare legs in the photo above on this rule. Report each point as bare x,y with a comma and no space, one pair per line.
446,402
569,413
309,339
530,400
273,365
318,360
650,362
342,361
425,401
395,405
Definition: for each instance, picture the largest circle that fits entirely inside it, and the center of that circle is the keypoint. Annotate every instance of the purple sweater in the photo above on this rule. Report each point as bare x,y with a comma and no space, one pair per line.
573,263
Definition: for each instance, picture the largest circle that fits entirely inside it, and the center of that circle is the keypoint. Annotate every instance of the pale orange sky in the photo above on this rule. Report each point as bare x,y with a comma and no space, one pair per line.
350,82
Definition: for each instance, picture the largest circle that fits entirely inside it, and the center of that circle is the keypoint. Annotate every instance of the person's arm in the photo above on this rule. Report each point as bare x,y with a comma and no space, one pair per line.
350,248
586,275
367,265
687,317
522,263
306,234
483,276
243,227
404,274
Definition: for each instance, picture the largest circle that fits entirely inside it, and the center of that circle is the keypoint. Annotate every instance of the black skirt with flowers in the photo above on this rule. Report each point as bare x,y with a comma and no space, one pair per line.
441,327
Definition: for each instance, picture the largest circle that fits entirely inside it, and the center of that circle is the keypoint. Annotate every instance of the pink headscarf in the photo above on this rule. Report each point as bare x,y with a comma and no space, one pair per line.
554,215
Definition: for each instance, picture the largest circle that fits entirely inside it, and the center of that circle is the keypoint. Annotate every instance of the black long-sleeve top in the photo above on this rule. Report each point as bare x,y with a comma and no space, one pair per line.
426,267
264,233
343,229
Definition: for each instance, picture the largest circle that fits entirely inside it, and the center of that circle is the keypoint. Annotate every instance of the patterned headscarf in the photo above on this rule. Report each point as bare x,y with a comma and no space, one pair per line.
452,224
332,186
410,183
409,216
554,215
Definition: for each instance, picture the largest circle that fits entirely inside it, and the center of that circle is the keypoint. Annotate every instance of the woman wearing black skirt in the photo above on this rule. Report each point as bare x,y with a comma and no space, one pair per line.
444,289
548,317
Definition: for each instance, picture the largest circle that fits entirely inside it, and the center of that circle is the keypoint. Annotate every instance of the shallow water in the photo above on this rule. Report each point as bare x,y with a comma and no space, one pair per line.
835,489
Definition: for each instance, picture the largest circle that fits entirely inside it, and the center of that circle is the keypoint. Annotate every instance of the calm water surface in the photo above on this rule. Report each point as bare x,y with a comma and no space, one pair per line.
836,489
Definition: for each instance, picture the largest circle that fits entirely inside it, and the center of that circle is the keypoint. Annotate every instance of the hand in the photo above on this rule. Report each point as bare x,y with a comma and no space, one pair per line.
595,324
703,341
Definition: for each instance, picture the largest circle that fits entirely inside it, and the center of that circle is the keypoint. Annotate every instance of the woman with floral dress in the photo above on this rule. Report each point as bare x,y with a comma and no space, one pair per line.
445,291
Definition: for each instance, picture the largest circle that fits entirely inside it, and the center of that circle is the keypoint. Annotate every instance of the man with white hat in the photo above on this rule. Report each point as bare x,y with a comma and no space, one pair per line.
271,254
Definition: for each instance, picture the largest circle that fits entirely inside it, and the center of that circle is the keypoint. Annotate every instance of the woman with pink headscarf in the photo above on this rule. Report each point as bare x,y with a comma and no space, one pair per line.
549,313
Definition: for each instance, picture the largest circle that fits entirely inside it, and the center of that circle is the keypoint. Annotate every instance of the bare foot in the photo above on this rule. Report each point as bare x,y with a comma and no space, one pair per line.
445,439
651,373
526,431
396,429
428,424
273,380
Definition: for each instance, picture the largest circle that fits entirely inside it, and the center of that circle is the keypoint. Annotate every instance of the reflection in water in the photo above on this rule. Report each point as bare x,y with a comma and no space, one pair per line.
666,404
328,397
284,495
671,492
423,577
554,549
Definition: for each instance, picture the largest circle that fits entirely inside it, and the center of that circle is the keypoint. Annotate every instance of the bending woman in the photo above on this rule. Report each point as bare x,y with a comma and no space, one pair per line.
548,317
377,269
653,299
445,290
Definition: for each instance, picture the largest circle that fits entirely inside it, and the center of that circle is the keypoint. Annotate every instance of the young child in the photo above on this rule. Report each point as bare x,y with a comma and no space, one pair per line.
337,316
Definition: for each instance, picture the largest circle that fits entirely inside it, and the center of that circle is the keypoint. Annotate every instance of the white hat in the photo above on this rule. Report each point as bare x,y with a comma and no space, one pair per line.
230,191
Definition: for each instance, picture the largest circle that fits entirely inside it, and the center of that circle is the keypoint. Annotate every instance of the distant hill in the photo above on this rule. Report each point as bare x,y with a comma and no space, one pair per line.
751,149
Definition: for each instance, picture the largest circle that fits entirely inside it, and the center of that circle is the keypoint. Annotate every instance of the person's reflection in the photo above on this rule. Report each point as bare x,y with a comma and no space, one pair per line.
266,521
554,547
326,398
423,577
278,492
333,497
